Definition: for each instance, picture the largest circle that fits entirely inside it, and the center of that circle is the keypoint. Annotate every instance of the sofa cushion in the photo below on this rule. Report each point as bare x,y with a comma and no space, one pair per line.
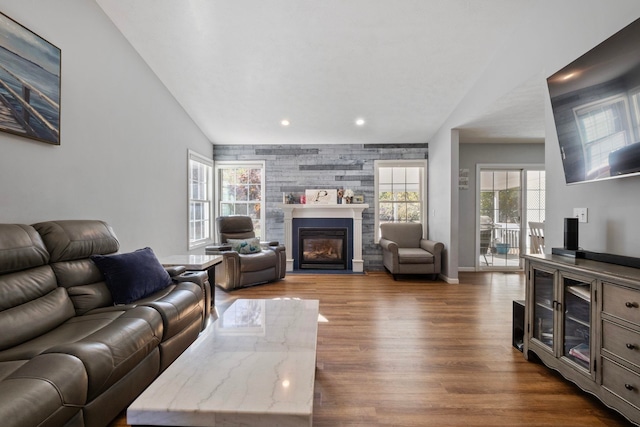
20,247
76,239
133,275
45,391
115,349
76,329
84,282
245,246
34,318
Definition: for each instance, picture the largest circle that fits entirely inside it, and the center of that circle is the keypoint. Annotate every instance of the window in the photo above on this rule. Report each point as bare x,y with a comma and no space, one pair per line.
240,191
400,192
200,180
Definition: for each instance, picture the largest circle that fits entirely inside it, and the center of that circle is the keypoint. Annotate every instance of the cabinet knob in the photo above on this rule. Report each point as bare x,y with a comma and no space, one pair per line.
631,304
629,387
630,346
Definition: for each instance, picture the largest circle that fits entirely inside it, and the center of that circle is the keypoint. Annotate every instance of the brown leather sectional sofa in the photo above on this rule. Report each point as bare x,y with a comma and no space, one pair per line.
69,356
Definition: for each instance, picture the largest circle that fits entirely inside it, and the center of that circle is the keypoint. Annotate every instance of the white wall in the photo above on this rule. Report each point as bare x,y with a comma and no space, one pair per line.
550,35
124,138
443,198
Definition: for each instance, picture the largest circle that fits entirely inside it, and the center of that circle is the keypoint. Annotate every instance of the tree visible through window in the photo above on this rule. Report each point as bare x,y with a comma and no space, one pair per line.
199,200
241,191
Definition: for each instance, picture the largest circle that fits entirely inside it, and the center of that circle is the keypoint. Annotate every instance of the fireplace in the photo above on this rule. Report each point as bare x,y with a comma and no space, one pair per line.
344,216
323,248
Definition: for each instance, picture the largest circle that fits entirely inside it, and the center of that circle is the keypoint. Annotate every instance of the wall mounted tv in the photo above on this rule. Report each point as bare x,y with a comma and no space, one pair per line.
596,107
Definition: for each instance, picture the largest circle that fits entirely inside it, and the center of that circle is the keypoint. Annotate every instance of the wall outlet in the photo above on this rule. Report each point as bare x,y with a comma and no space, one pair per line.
581,214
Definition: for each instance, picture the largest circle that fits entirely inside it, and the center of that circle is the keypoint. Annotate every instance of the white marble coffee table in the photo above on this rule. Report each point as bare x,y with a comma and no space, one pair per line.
254,366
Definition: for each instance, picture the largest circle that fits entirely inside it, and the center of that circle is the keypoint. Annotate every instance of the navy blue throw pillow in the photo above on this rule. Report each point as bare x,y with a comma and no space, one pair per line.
133,275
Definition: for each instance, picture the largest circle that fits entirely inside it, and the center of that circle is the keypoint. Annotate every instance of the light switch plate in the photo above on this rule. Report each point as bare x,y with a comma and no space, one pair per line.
581,214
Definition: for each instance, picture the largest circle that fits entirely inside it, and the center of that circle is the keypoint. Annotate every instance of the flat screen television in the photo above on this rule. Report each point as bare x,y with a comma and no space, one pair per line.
596,108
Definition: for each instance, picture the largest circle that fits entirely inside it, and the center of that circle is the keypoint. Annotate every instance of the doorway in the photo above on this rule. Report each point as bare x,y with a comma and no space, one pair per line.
508,198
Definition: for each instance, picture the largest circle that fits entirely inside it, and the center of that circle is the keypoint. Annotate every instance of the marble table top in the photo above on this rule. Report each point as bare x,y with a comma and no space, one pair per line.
191,261
254,366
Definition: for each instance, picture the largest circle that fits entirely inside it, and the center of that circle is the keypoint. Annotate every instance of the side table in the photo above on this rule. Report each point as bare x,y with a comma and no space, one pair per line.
197,262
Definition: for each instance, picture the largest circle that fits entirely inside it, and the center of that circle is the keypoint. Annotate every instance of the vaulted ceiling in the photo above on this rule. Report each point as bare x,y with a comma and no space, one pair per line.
239,68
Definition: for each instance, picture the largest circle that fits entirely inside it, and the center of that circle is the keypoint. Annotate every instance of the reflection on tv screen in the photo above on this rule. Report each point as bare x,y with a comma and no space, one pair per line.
596,108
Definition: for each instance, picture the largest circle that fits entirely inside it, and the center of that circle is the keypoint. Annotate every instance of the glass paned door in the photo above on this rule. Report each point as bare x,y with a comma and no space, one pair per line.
544,308
500,218
577,321
509,201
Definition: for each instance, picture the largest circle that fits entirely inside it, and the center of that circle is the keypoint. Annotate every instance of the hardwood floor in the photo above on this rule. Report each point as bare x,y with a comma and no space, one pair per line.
418,353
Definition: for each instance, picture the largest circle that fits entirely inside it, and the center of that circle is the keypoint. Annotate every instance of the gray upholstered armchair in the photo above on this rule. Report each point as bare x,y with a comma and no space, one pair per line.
404,251
246,260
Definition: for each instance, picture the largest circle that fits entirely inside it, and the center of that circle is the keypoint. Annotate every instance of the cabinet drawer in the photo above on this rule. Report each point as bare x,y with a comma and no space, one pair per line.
621,382
622,342
621,302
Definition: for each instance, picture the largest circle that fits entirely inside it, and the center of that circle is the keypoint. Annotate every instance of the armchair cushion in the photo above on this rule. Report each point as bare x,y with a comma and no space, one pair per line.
414,256
265,260
245,246
132,276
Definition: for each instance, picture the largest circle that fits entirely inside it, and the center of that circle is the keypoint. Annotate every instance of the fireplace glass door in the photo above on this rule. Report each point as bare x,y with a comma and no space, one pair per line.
323,248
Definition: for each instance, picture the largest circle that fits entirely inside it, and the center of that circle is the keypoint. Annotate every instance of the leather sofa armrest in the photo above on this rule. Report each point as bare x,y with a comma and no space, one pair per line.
175,271
281,264
389,245
179,308
201,278
198,277
228,271
217,249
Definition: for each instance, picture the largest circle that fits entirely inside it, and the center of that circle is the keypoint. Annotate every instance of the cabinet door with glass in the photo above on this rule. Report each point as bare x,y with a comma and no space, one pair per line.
577,320
543,320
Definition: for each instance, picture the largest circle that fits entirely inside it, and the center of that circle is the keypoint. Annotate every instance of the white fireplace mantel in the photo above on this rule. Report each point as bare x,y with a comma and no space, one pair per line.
353,211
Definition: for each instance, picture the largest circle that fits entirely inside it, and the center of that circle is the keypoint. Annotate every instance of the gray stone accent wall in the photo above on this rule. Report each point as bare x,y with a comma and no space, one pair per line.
292,169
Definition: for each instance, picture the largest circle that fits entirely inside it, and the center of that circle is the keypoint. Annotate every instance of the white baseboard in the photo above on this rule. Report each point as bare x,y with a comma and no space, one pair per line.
467,269
449,280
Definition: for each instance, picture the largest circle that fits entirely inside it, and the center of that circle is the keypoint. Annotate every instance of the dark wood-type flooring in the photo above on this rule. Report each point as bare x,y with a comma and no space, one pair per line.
415,352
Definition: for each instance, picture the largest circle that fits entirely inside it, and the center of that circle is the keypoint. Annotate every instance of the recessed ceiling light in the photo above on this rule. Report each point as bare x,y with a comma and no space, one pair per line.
360,122
285,122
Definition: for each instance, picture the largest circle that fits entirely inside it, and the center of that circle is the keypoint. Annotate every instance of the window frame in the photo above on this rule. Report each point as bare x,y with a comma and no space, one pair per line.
420,163
237,164
193,156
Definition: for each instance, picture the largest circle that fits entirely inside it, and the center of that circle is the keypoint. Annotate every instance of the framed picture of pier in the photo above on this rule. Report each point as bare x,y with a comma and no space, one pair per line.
29,83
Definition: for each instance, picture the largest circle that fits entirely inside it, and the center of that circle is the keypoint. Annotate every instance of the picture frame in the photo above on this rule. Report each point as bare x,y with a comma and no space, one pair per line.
321,197
358,199
30,76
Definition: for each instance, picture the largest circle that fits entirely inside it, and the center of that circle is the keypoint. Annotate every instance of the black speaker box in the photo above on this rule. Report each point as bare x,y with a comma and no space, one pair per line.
571,234
517,336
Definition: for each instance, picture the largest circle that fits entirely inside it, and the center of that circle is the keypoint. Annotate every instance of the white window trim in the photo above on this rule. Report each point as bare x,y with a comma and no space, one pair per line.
403,164
229,164
192,155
